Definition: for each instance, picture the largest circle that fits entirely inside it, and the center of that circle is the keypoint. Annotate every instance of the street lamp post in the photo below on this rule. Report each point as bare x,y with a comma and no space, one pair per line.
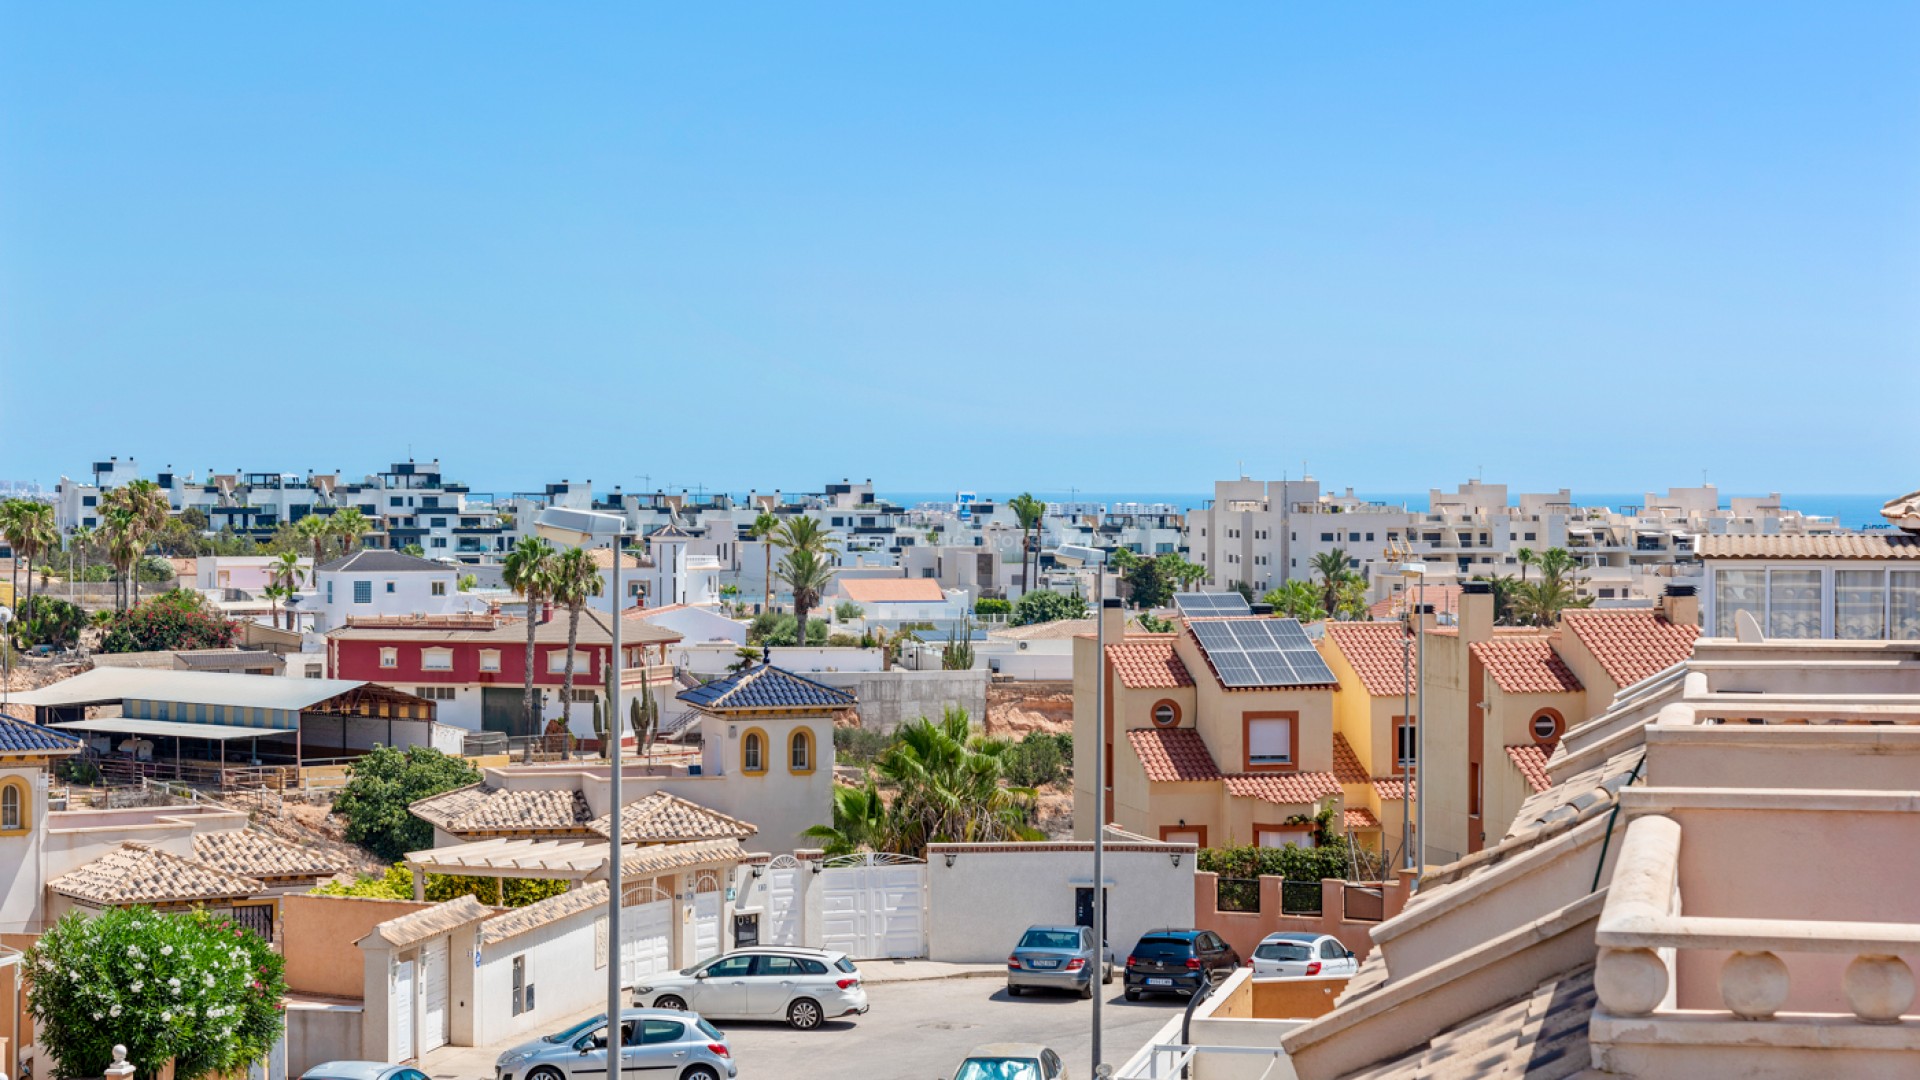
1099,891
1417,819
580,528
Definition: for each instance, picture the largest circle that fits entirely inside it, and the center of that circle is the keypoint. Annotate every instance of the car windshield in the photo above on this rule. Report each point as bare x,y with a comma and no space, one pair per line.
1160,948
1283,950
998,1068
575,1031
1050,939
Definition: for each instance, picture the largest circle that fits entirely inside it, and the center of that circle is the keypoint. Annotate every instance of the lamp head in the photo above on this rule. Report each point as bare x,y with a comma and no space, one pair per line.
578,528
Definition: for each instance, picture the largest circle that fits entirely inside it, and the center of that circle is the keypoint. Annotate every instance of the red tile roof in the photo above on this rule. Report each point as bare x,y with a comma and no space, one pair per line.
1631,643
1891,545
1173,754
1346,764
1377,652
1526,666
1284,788
1442,598
1531,760
1390,788
1148,663
892,590
1359,817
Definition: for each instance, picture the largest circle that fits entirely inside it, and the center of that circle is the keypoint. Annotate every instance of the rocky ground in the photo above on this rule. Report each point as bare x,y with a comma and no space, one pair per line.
1015,709
309,824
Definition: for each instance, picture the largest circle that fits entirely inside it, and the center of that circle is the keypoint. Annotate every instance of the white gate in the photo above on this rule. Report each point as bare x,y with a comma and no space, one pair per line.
781,926
874,906
645,936
433,984
706,916
401,1007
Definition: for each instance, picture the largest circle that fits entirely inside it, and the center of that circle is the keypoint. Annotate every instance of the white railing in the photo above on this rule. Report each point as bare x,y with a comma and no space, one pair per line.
1166,1061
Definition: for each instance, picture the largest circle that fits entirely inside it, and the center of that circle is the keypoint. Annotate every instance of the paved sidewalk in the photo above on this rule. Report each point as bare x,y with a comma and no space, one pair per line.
893,971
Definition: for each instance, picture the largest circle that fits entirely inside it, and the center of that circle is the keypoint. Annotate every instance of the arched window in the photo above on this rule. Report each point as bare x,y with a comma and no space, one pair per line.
13,808
800,752
753,752
1166,714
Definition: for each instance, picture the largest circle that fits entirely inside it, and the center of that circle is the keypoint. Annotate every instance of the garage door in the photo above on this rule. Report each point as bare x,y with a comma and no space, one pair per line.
644,930
782,923
433,982
401,1006
706,925
874,906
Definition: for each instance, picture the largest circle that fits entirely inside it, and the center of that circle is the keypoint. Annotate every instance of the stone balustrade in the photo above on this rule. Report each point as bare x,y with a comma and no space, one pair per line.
1642,927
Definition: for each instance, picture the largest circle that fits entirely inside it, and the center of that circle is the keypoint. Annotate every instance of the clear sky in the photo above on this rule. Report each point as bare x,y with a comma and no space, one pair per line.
1109,245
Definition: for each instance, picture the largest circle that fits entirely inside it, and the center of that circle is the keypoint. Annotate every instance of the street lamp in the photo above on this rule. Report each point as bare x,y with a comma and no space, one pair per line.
1416,572
584,528
1100,602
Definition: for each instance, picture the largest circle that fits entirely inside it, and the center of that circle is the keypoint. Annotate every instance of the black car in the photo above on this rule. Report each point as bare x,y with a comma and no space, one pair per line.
1177,962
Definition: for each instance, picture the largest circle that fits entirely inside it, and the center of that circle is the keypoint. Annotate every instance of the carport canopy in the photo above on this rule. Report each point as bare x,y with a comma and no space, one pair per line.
508,857
172,729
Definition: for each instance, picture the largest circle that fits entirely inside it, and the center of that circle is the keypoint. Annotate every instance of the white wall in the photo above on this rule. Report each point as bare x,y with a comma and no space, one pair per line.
699,625
21,883
319,1033
978,907
564,965
1044,659
331,595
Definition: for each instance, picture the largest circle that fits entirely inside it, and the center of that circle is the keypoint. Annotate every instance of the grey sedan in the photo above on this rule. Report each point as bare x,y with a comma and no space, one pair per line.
653,1043
1056,958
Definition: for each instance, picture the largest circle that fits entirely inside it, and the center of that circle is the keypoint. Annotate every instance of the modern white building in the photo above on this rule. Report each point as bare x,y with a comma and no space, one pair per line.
370,583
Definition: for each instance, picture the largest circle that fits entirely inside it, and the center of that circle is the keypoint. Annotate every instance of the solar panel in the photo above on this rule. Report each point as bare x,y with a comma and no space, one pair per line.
1261,652
1215,635
1205,604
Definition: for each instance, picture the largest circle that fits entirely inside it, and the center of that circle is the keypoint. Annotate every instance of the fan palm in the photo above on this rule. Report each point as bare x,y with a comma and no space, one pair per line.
121,530
1527,557
763,530
859,821
950,787
528,570
576,577
1333,568
808,574
33,535
1030,512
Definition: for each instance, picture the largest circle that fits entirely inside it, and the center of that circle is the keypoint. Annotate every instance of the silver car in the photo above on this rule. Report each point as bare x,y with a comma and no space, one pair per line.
1056,958
655,1044
801,986
1012,1061
362,1070
1295,955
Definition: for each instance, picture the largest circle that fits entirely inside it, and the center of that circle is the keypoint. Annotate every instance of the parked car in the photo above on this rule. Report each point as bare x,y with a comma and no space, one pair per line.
1177,962
1298,955
1056,958
801,986
1012,1061
362,1070
653,1042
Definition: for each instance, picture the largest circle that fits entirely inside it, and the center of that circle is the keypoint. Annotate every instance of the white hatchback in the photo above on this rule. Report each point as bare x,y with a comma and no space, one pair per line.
801,986
1300,955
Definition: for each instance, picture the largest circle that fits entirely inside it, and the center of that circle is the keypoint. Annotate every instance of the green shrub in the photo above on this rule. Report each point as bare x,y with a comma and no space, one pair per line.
397,884
991,605
1034,761
1328,859
1042,607
191,988
847,611
858,746
48,620
176,619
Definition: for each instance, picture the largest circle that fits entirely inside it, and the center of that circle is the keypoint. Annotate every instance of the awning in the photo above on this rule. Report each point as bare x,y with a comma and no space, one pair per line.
176,729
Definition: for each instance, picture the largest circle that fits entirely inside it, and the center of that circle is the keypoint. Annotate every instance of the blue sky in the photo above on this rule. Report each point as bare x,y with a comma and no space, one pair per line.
1112,246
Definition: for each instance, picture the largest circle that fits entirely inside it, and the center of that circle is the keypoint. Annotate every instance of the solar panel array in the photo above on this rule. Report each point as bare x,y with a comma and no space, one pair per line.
1200,605
1261,652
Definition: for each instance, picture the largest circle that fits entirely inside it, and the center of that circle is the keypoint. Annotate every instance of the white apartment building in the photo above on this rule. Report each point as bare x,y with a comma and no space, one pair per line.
370,583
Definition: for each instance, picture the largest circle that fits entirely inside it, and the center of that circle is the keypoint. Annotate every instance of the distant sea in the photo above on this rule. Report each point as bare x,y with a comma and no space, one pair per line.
1852,511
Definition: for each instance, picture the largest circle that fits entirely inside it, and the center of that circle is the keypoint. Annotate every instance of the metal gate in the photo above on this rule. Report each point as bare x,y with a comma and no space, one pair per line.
433,987
645,936
781,925
401,1007
874,906
706,915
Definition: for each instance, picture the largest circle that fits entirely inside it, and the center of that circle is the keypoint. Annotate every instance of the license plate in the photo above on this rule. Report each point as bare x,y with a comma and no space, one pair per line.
1159,982
1043,963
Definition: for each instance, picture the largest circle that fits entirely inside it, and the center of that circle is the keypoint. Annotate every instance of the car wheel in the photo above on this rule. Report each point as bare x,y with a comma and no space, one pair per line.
545,1072
1106,977
1012,990
668,1001
1133,995
804,1014
699,1072
1087,990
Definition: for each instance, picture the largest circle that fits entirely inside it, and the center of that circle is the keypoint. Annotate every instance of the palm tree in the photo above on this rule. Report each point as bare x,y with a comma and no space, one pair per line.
37,536
528,570
143,511
804,534
1296,599
274,593
1333,569
284,572
1527,557
315,530
1541,602
576,577
78,542
1506,590
763,529
950,787
859,821
1030,512
349,524
121,530
13,525
808,574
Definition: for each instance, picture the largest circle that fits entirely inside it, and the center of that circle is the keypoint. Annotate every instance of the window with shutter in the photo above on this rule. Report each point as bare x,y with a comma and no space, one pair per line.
1270,742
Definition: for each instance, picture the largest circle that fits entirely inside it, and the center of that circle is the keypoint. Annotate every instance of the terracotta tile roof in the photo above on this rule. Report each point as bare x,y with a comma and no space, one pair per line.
256,854
1442,598
1359,817
1377,652
660,858
1284,788
139,874
1631,643
1391,788
663,817
903,590
1526,666
1876,545
1346,764
543,912
1171,754
418,926
1531,760
603,559
1148,663
482,809
1540,1035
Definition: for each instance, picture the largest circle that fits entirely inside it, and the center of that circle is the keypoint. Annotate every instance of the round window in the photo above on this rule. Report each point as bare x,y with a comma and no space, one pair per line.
1165,714
1546,727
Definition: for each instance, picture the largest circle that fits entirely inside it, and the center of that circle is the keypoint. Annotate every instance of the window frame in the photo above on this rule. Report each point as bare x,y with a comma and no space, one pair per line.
802,737
755,740
1559,726
15,788
1247,721
389,657
1165,703
431,657
363,591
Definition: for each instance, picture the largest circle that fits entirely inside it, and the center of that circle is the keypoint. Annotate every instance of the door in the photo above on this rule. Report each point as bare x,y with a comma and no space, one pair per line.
645,933
433,981
401,1006
875,910
724,989
706,924
774,982
781,926
662,1050
1083,909
503,709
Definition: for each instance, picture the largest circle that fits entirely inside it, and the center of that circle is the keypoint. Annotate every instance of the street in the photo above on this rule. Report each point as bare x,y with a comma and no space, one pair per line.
921,1030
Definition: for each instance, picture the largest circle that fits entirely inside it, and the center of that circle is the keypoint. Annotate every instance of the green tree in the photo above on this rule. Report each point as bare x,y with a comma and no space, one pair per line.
576,579
191,988
528,571
414,550
990,605
1154,624
1527,557
1037,760
848,611
176,619
48,620
949,786
859,819
1506,590
1333,568
1030,512
13,531
1295,599
382,783
397,884
808,575
315,529
349,524
285,571
1043,605
1540,603
1148,583
763,530
1352,604
468,582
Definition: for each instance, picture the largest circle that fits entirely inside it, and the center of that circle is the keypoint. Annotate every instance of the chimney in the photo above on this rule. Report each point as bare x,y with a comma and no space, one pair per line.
1113,619
1476,611
1420,617
1681,605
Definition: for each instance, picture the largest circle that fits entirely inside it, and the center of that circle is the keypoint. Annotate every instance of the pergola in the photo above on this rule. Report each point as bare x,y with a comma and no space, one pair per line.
573,861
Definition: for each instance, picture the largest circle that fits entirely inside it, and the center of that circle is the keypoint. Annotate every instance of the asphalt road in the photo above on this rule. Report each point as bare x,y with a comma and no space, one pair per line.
921,1031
